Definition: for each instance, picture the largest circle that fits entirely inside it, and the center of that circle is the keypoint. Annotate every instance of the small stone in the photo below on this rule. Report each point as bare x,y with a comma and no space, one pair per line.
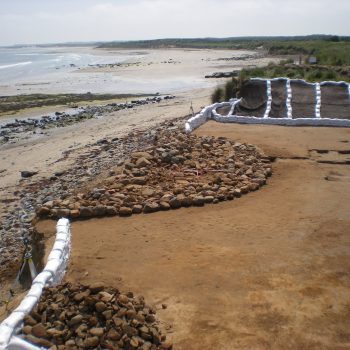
76,319
96,287
26,173
113,334
98,332
142,162
198,201
39,331
123,299
137,209
125,211
145,155
134,342
151,207
208,199
100,306
86,212
43,211
111,211
164,206
99,210
174,203
74,213
91,342
27,329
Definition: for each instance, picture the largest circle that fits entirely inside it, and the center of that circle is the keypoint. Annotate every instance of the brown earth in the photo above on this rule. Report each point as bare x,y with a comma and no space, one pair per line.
268,271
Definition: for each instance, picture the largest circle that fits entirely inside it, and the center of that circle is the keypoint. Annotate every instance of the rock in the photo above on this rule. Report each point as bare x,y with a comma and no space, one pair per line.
98,332
138,155
86,212
198,201
43,211
100,306
111,211
26,174
113,334
39,331
147,192
151,207
39,341
167,345
134,342
208,199
175,203
164,206
76,319
27,329
91,342
99,210
96,287
123,299
63,213
137,209
125,211
29,320
142,180
142,162
74,213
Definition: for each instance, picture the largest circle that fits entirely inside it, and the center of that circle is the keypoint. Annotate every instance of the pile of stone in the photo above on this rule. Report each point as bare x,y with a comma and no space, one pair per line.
93,317
176,170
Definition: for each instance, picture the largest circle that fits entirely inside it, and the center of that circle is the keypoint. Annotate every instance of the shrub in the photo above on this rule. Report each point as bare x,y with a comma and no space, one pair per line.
217,95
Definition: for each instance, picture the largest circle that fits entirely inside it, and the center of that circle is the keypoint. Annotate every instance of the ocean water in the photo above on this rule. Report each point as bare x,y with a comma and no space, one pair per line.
19,64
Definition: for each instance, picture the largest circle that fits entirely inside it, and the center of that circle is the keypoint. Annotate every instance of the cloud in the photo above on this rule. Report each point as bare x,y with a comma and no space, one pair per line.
91,20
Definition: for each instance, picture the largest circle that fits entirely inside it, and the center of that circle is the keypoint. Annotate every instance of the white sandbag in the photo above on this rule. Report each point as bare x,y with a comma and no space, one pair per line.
52,274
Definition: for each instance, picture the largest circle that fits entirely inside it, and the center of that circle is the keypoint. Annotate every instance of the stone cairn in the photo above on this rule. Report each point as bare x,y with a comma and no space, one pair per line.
93,317
177,170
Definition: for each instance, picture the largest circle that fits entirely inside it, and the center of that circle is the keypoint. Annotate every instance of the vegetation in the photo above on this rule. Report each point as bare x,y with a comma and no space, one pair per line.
18,102
328,49
311,73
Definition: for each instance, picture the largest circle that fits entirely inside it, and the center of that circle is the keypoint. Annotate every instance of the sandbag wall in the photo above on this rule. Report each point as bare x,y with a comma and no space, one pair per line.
284,101
51,275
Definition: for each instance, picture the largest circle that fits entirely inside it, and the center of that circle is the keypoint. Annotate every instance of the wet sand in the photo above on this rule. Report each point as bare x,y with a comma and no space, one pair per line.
267,271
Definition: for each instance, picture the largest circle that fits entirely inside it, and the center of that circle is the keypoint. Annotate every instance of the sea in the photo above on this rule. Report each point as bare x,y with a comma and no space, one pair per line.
37,69
22,67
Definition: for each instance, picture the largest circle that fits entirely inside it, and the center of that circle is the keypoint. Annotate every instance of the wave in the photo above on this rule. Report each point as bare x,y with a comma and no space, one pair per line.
15,65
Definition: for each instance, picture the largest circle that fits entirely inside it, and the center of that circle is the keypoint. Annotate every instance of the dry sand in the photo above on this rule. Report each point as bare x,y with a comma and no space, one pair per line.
267,271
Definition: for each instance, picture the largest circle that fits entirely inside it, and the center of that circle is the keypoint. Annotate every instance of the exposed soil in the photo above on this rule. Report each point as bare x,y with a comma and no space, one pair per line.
267,271
254,98
335,102
279,96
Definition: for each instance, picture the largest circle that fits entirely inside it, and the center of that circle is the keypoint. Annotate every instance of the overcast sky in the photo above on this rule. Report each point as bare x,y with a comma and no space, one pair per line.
46,21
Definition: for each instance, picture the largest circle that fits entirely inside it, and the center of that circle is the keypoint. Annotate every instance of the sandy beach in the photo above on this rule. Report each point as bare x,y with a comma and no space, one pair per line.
267,271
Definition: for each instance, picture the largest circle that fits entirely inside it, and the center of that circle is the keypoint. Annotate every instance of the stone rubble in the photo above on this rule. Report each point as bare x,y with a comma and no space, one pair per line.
78,317
176,170
11,132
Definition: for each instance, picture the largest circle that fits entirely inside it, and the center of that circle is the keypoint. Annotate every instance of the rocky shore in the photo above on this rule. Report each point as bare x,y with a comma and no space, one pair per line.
93,317
13,131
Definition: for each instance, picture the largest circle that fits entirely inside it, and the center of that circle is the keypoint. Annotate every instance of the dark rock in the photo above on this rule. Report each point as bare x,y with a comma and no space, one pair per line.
26,173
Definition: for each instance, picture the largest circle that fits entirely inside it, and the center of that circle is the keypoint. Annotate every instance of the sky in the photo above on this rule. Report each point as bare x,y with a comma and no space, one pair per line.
54,21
